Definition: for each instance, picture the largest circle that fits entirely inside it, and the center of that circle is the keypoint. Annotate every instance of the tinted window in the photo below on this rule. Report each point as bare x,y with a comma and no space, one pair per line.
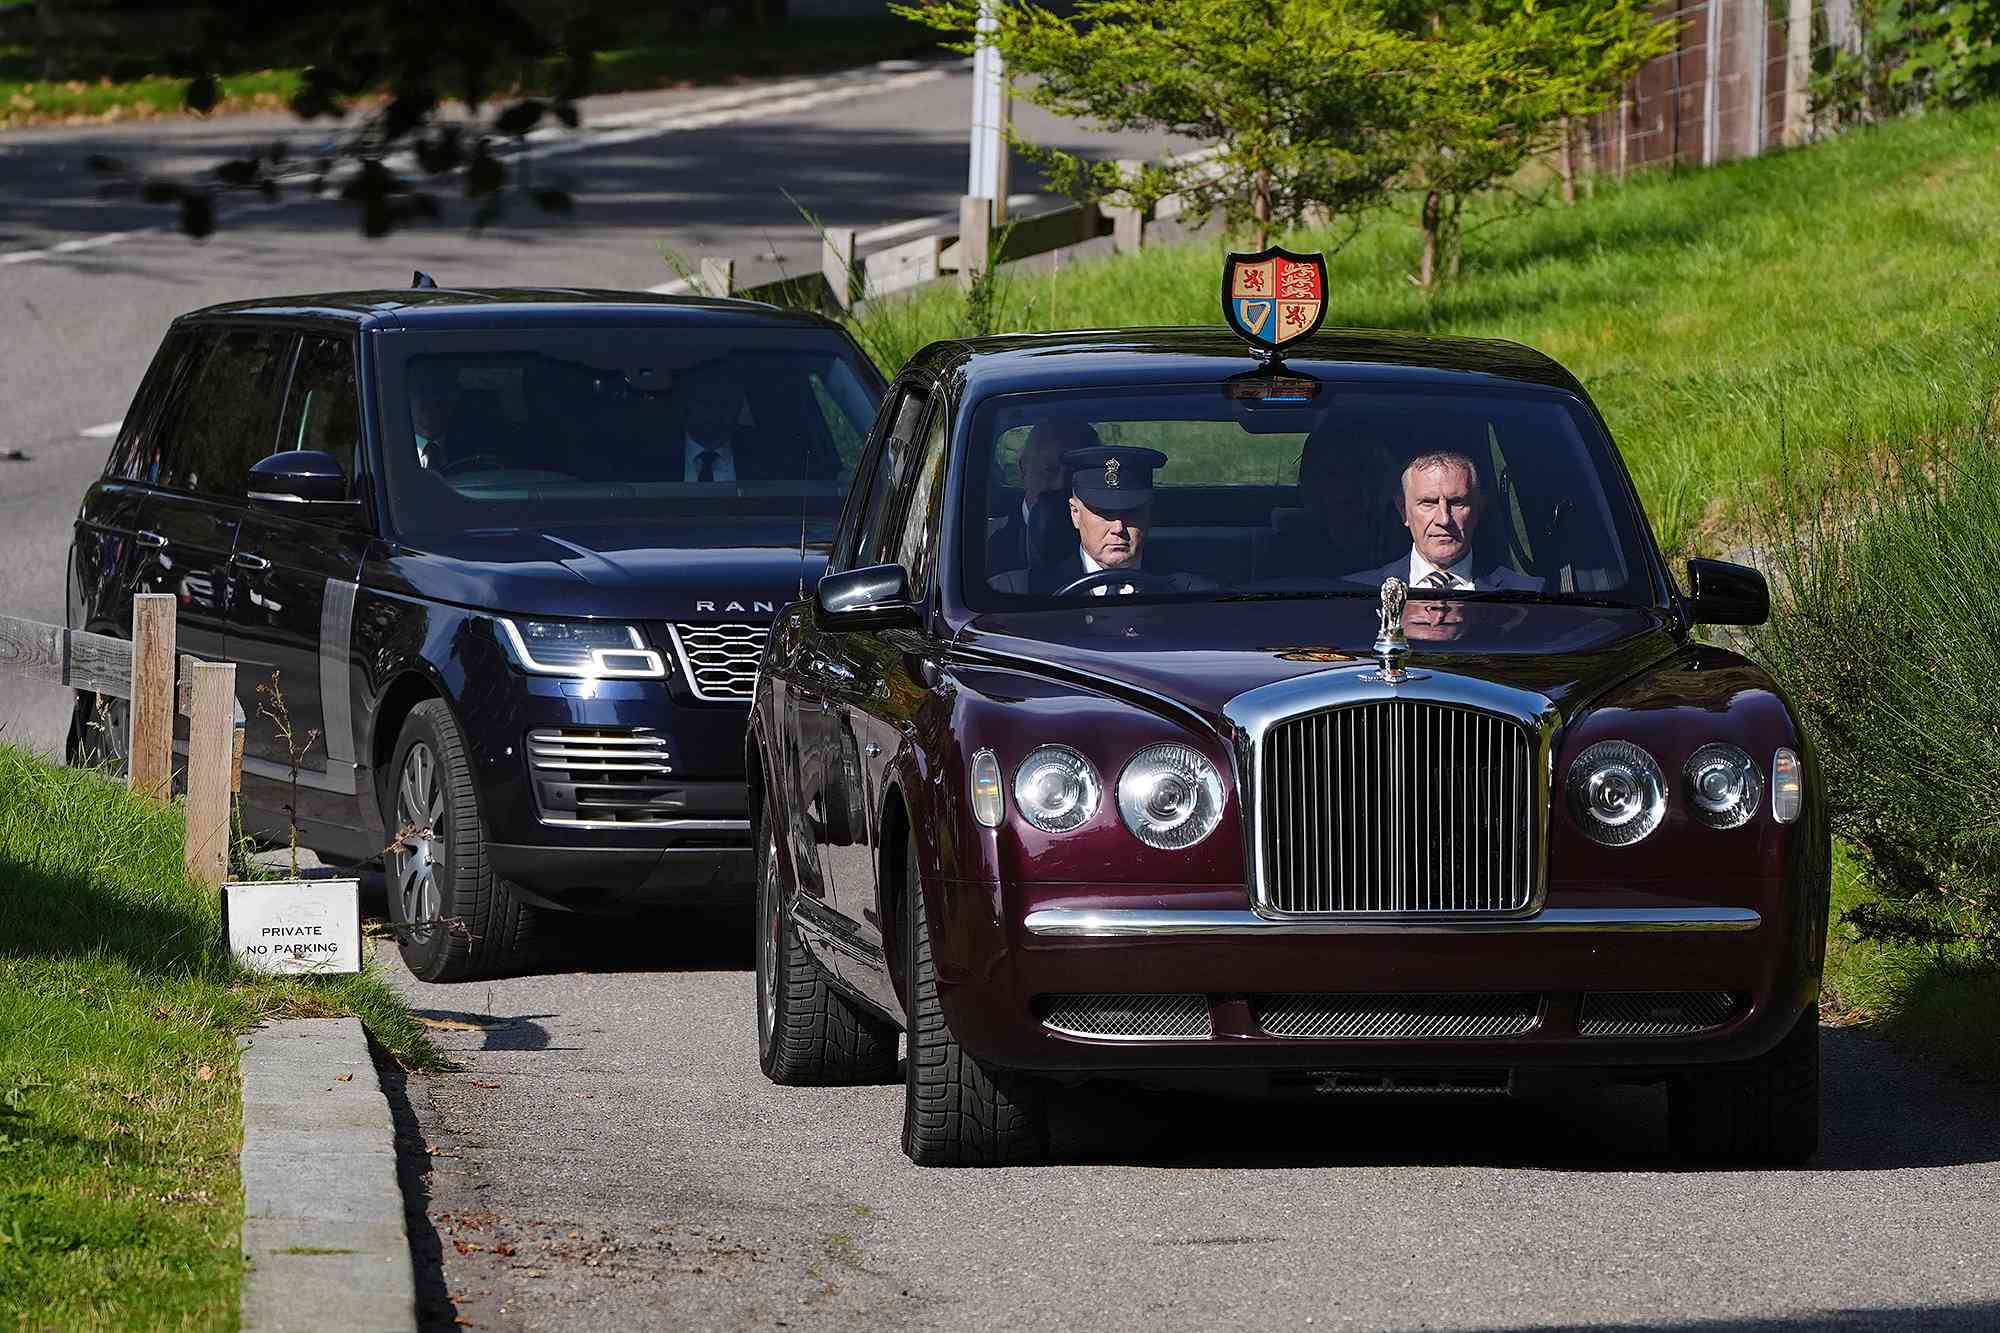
322,412
917,546
869,545
225,417
136,455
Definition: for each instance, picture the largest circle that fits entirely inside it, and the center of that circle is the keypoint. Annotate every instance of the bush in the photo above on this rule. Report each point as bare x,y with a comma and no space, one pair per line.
1887,637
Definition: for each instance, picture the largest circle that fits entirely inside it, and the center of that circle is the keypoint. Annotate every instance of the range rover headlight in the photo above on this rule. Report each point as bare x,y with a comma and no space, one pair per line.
1056,789
1169,796
582,648
1616,793
1722,785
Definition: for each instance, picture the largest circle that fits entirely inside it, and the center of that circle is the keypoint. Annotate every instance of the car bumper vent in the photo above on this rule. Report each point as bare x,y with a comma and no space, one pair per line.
603,775
1389,1017
720,661
1129,1017
1654,1013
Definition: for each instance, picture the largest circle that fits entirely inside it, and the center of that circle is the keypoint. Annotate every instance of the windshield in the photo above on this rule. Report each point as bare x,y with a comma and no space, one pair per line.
1184,492
538,425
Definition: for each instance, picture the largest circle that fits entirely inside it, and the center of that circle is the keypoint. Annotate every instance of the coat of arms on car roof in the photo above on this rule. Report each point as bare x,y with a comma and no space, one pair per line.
1274,296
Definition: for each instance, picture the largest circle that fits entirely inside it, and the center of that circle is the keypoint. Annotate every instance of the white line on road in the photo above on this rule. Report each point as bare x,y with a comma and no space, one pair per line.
103,432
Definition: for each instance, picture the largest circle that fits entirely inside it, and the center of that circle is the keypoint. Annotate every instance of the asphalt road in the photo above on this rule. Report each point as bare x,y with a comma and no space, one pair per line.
611,1156
89,282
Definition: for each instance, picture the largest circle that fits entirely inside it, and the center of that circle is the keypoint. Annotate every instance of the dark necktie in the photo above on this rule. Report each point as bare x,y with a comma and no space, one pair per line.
706,461
1438,578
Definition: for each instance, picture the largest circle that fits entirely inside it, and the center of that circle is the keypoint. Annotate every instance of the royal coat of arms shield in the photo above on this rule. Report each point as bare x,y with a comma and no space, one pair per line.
1274,296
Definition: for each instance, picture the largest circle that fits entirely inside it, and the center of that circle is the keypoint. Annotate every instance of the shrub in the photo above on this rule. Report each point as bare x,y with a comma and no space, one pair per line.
1887,637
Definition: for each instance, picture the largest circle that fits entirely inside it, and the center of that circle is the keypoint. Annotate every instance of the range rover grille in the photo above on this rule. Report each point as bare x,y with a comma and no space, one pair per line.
1438,1017
1401,806
720,661
1654,1013
618,775
1182,1017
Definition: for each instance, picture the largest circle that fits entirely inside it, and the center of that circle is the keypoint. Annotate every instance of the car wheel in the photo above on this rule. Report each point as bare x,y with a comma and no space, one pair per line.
808,1033
1762,1111
454,918
956,1112
100,734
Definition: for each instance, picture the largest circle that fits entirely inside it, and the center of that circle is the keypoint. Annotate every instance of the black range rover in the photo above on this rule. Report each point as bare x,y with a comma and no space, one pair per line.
513,555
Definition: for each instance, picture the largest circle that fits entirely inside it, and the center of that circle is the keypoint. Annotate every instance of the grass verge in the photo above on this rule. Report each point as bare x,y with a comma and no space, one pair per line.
120,1107
1830,297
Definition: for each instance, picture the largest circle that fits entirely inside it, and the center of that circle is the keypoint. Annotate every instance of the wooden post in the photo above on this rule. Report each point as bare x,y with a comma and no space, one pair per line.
718,276
836,265
150,741
1128,224
975,238
213,706
1798,73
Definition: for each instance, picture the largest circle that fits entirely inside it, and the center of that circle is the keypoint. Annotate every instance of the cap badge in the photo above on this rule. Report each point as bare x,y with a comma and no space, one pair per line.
1111,473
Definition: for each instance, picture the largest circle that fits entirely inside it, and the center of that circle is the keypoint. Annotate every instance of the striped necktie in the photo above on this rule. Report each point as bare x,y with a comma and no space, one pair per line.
1439,578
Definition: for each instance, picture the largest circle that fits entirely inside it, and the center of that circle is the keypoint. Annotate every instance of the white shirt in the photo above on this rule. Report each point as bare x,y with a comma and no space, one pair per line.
1421,569
725,460
1091,567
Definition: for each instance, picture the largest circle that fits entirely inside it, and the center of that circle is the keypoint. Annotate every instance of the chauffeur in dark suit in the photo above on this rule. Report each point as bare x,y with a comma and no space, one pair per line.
1111,508
1439,501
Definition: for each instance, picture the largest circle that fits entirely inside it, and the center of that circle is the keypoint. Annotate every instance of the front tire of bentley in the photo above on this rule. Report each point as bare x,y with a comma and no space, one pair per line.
955,1111
1763,1111
808,1033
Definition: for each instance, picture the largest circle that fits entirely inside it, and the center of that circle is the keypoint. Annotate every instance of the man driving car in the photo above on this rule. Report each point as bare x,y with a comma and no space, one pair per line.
1111,509
1438,498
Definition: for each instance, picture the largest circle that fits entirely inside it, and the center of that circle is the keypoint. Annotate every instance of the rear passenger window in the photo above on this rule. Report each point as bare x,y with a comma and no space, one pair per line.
225,416
323,410
877,505
916,546
135,457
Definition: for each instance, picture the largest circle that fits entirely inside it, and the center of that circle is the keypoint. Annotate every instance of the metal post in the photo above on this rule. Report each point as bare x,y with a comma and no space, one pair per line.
987,176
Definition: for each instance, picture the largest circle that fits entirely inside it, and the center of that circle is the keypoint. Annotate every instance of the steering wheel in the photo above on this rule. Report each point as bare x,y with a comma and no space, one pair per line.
1140,580
460,464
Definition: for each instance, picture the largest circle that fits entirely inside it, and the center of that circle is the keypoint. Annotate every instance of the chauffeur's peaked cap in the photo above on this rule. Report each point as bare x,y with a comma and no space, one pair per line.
1112,478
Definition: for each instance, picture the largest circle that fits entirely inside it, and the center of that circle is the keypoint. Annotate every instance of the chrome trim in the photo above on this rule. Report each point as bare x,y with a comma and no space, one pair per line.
649,825
1254,713
1139,923
277,497
336,626
732,633
338,777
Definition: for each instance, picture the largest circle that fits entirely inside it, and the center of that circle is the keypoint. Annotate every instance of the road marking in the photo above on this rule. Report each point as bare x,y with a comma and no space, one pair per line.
104,432
624,127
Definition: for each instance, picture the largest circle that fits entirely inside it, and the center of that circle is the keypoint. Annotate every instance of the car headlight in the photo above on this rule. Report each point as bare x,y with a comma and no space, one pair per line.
1169,796
1616,793
588,648
1056,789
1722,785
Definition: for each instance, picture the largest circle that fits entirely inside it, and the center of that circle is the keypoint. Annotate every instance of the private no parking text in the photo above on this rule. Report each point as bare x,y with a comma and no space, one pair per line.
311,925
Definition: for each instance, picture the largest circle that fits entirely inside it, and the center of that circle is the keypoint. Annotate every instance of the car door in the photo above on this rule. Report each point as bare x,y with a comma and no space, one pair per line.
221,418
831,789
293,584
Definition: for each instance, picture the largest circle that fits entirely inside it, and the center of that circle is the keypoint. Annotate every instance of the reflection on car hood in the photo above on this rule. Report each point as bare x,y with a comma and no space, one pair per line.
1202,655
668,570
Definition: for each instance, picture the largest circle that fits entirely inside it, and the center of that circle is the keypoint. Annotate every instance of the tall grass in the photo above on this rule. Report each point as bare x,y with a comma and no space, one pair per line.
1831,297
119,1094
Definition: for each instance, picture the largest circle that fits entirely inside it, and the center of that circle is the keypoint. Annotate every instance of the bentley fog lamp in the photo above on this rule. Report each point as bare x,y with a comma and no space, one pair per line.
1722,785
1170,797
1616,793
1056,789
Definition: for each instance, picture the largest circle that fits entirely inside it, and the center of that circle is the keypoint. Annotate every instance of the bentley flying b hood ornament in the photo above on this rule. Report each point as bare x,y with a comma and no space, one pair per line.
1392,648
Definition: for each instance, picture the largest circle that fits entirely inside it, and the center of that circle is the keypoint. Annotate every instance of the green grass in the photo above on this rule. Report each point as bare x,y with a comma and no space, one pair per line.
120,1115
137,84
1825,299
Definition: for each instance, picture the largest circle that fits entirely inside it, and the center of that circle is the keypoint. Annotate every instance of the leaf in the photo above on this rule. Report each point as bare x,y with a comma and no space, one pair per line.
449,1024
205,1073
565,111
105,164
521,117
197,215
485,175
483,1083
202,94
161,192
343,1078
553,201
237,171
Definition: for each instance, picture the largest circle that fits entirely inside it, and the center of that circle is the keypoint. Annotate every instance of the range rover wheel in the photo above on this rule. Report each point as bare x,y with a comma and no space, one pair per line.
955,1111
454,918
808,1033
1763,1111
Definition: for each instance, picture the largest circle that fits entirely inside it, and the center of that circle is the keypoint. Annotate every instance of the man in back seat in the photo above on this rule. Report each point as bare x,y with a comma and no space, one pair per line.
1340,522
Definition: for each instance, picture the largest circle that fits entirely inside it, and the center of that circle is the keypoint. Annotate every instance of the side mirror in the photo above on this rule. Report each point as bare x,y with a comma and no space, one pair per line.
1720,593
304,481
877,597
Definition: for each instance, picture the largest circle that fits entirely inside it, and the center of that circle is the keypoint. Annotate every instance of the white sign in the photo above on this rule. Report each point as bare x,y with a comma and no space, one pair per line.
294,925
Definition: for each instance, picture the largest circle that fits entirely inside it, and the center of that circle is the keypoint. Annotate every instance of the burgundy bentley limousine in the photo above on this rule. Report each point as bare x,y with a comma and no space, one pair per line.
1328,727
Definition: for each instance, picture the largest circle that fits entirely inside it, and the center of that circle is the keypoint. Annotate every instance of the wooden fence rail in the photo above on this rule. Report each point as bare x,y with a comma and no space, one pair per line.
141,672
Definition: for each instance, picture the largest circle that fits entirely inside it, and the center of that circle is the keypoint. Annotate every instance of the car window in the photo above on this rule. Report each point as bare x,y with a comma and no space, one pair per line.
225,417
136,455
869,545
322,411
916,547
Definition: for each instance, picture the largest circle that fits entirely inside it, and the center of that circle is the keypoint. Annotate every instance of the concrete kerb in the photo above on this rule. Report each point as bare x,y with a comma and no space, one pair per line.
324,1239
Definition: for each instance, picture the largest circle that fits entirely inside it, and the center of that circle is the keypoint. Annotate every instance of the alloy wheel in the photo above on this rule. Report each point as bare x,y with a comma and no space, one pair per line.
420,841
769,934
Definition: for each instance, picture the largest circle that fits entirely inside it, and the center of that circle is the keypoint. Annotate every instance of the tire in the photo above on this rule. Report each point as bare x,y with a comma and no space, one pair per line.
454,918
955,1111
1763,1111
808,1034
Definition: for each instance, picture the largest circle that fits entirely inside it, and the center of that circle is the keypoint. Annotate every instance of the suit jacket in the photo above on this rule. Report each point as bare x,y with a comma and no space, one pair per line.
1007,548
1499,579
1048,579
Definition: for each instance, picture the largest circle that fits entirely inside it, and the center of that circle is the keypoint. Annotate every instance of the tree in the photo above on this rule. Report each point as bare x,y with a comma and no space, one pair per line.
420,81
1298,101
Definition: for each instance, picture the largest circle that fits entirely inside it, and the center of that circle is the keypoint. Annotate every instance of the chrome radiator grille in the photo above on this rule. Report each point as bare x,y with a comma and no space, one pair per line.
1442,1017
1402,806
720,661
601,775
